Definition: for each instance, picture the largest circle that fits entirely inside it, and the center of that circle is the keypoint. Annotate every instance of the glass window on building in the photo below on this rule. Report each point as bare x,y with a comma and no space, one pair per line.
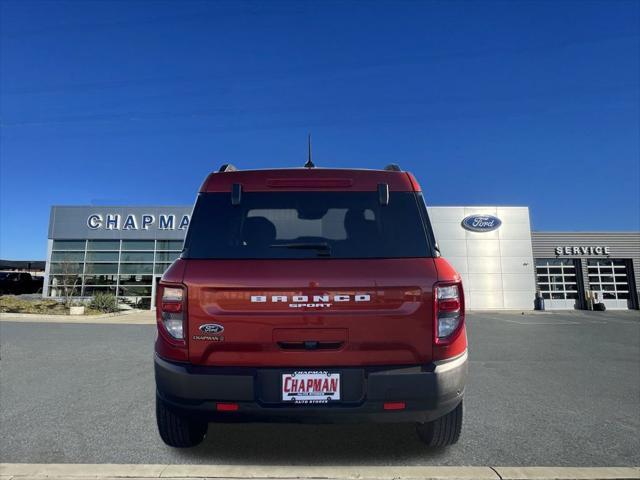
136,279
101,268
169,245
125,268
136,268
100,280
66,268
136,257
160,268
102,256
67,256
138,245
165,257
63,285
69,245
103,245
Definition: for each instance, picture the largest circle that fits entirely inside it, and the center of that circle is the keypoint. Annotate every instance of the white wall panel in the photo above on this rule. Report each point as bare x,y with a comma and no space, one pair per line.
514,282
485,282
514,231
483,248
484,265
480,211
453,248
495,235
446,214
448,231
484,301
517,265
516,248
513,214
518,300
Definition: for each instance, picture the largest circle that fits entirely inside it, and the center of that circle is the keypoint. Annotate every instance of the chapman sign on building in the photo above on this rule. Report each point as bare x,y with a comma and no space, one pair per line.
125,250
131,221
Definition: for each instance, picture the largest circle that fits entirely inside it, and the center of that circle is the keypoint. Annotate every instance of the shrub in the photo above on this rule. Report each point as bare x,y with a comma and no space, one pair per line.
104,302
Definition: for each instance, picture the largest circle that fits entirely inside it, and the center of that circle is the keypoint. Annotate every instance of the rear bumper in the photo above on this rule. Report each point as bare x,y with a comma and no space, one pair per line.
428,391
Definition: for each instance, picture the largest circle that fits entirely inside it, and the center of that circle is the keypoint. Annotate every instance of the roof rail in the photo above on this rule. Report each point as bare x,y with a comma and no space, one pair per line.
393,167
227,167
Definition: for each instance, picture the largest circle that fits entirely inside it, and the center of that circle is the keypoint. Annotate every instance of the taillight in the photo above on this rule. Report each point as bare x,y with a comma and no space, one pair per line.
172,311
448,311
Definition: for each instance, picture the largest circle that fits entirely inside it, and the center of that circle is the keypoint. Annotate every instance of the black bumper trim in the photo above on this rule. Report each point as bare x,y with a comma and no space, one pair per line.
429,392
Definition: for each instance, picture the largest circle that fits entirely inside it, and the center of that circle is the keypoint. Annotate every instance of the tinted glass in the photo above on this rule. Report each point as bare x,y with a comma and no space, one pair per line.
136,257
102,256
103,245
67,256
160,268
134,291
68,244
135,279
166,256
137,245
100,279
138,268
307,225
169,245
89,291
101,268
66,268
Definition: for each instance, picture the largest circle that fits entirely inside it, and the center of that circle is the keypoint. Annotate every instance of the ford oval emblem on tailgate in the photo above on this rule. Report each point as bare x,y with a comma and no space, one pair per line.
481,223
213,328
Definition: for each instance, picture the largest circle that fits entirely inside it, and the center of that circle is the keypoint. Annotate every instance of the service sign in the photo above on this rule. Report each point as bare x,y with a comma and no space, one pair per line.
481,223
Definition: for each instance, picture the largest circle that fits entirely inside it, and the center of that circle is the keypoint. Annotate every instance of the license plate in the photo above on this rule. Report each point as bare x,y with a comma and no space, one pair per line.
310,387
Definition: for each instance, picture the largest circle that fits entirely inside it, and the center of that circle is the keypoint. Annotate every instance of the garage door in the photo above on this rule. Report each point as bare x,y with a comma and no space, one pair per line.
558,283
610,279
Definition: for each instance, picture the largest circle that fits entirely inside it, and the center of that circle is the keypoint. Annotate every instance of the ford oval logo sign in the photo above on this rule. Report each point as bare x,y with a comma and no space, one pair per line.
481,223
212,328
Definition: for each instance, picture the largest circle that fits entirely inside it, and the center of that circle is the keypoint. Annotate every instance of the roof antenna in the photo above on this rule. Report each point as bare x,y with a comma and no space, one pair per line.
309,163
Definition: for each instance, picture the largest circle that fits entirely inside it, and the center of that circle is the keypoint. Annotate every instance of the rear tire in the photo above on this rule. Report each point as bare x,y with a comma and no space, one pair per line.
176,430
443,431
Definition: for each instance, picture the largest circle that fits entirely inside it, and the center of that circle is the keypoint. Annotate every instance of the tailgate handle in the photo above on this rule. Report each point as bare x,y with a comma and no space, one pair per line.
310,345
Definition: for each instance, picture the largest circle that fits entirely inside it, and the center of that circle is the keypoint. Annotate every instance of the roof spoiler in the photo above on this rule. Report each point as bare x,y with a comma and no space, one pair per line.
227,167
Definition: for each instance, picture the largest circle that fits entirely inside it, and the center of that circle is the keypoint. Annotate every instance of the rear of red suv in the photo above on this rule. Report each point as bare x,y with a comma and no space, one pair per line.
310,295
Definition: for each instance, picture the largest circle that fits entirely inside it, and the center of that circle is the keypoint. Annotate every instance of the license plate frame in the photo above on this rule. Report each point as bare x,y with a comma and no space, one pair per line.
304,387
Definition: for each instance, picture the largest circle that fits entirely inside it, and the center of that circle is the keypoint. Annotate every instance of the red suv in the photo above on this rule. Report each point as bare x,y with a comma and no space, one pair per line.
310,295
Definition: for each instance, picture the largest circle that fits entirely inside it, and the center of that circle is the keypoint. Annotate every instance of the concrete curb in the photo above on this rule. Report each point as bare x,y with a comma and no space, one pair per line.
128,317
23,471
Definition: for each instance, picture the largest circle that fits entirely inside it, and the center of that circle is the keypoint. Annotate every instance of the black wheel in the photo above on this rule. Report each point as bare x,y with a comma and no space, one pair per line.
177,431
443,431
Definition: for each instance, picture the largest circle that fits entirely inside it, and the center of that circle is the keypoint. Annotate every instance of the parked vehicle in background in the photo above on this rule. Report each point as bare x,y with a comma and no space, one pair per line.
310,295
19,283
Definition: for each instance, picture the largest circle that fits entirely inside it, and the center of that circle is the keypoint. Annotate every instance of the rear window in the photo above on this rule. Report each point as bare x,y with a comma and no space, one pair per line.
307,225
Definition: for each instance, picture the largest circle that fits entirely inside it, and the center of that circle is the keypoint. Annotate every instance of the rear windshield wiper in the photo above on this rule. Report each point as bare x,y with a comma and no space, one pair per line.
323,248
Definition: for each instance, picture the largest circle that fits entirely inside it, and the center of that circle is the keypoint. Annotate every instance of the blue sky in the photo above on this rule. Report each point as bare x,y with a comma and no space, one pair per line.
510,103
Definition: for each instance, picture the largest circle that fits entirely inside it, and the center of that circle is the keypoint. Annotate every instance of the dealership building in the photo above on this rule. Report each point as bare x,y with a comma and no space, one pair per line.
504,264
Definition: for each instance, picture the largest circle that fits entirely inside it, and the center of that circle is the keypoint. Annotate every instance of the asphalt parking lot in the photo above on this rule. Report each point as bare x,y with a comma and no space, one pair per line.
545,389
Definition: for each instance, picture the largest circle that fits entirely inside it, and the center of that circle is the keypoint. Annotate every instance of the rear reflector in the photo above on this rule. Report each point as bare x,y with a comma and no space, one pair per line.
227,407
171,307
394,405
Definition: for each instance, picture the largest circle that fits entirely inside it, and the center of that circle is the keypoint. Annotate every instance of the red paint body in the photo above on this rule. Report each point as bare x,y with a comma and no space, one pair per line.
396,327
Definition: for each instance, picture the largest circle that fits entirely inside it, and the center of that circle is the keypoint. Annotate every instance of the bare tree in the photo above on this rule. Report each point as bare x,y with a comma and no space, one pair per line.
67,274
